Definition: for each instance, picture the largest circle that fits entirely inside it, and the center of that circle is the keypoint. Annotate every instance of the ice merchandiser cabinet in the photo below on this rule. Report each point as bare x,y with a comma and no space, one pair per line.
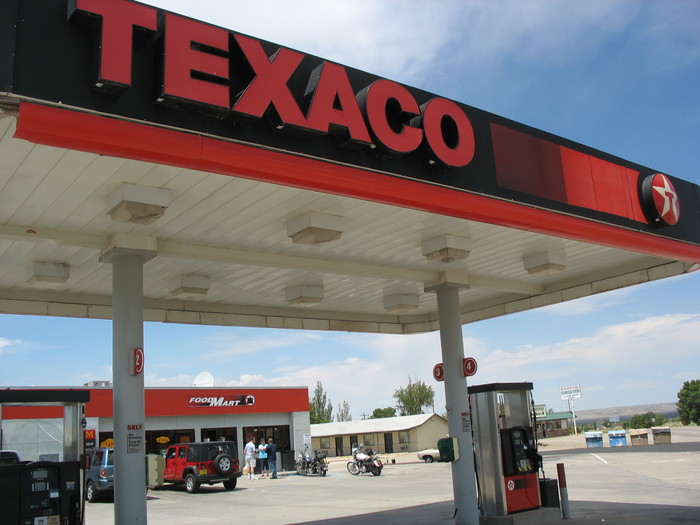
505,448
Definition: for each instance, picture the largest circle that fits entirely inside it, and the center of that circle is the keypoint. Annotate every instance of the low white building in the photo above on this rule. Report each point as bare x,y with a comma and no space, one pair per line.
383,435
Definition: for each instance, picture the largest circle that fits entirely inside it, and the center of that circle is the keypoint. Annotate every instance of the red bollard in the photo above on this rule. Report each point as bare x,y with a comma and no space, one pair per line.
563,492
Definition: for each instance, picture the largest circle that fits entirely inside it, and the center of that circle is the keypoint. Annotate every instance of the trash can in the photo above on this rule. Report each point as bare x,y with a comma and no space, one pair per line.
662,435
549,492
639,436
617,438
594,439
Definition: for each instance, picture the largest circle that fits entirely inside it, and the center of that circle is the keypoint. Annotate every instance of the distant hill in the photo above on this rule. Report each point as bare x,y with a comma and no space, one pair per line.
667,409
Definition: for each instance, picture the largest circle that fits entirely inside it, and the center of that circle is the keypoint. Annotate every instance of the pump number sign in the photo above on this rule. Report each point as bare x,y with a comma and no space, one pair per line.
136,361
468,366
439,372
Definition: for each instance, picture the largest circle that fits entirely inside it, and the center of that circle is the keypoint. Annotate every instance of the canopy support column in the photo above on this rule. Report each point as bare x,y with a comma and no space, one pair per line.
456,396
128,384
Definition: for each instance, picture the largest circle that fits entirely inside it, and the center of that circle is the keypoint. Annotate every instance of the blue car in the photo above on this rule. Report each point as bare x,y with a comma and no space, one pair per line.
99,478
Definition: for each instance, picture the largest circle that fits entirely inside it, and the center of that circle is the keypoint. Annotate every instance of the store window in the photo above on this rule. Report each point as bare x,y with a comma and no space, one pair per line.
403,436
325,443
280,434
219,434
158,441
368,440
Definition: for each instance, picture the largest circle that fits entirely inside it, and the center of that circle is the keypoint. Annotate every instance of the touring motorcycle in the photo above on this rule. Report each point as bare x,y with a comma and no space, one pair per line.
306,465
366,461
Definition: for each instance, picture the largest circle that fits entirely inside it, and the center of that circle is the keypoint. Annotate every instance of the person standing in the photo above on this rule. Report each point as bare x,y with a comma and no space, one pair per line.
250,450
262,456
271,450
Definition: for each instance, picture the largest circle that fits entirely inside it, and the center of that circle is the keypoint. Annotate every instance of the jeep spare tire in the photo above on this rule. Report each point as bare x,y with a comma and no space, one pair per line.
223,464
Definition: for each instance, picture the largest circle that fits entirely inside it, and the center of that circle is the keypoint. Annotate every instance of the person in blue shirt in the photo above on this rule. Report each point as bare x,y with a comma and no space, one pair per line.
262,456
271,450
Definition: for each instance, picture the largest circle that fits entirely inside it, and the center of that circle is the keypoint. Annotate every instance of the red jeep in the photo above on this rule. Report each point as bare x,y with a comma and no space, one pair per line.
197,463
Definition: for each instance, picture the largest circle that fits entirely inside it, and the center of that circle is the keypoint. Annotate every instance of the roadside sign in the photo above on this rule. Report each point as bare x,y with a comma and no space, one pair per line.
570,392
439,372
540,411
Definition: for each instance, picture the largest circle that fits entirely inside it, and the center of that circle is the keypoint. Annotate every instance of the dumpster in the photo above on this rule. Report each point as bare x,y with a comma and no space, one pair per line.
661,435
617,438
639,436
594,439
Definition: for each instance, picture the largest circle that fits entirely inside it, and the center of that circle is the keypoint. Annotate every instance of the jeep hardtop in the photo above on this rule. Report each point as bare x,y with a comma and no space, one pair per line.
197,463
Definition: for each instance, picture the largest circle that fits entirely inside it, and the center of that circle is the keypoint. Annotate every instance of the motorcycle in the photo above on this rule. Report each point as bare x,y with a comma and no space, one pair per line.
306,465
366,461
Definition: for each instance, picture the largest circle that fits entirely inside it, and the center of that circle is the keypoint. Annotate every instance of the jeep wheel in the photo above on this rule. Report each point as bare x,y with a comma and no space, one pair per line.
223,464
230,484
191,483
90,492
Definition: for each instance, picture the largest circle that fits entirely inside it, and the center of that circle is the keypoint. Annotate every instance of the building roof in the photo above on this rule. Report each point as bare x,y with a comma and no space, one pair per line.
368,426
553,416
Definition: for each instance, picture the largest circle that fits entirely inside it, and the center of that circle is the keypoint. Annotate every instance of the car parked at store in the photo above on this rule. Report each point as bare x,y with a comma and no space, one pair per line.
99,476
9,457
196,463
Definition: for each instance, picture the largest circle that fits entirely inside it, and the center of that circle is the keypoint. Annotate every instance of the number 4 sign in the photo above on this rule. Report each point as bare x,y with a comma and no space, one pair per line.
468,366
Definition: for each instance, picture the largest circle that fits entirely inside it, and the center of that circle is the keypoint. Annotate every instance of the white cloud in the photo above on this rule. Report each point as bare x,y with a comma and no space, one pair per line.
4,343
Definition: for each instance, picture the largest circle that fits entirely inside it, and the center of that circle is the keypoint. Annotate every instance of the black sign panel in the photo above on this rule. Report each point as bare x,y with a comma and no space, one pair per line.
134,61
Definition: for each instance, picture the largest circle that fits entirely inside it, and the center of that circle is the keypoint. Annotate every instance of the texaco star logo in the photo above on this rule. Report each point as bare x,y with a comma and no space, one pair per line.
662,199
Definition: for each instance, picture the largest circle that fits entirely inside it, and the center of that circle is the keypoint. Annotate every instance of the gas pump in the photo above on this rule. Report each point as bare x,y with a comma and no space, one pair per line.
505,448
40,492
46,492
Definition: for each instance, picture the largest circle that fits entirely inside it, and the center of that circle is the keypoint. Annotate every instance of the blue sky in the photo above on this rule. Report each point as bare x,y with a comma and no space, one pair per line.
619,75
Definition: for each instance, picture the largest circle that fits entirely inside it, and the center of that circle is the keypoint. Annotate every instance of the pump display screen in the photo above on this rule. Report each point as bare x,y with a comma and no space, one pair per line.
40,486
40,474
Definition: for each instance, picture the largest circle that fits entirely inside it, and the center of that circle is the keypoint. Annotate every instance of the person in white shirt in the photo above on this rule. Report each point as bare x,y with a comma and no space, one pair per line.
250,451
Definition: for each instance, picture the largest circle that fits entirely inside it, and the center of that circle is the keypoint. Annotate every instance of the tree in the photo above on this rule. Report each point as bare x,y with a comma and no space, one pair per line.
344,412
689,402
383,412
320,407
411,399
646,420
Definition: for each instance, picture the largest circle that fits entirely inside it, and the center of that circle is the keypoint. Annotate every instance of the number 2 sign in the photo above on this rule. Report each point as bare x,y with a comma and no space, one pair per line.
136,361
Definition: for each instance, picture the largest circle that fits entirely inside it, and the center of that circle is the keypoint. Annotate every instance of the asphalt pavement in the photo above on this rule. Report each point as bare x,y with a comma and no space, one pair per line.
640,485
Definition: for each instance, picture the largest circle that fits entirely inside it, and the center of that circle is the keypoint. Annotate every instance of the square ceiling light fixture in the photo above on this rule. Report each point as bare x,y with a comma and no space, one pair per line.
401,303
315,228
308,295
544,263
447,248
47,274
137,204
186,286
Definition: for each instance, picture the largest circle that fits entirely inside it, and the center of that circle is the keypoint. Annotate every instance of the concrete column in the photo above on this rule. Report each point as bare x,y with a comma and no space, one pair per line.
129,409
458,416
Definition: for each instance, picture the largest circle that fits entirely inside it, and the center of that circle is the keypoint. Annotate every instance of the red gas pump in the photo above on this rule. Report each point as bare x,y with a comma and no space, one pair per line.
505,448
